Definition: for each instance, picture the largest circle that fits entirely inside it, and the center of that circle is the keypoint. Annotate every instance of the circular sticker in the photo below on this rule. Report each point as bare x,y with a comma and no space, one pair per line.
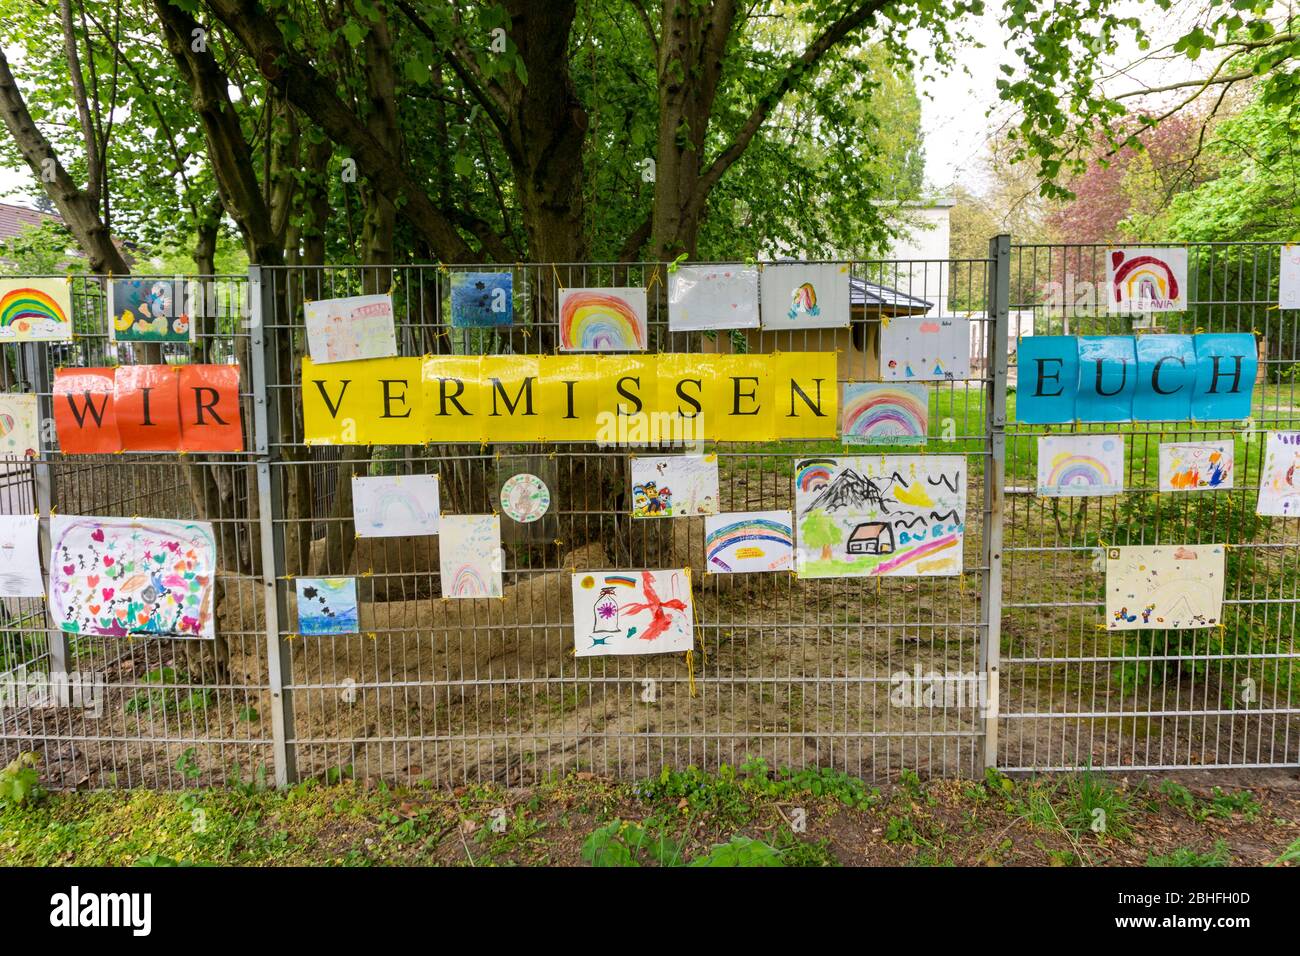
525,498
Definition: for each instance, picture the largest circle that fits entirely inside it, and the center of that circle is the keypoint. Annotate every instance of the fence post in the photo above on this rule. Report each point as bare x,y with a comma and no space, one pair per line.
995,420
265,438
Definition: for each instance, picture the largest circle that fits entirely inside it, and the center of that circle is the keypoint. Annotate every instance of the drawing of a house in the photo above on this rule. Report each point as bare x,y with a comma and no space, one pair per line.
872,537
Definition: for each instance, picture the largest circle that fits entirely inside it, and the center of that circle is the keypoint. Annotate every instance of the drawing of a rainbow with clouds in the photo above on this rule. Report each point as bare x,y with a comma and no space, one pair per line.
1077,466
469,556
1147,280
603,320
395,506
35,310
876,414
749,541
880,516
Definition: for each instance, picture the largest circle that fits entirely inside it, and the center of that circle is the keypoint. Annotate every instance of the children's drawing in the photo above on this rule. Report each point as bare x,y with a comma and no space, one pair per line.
35,310
1289,277
20,557
20,425
469,556
713,297
525,498
121,576
872,413
749,541
356,327
394,506
327,606
1196,465
924,348
632,612
1147,280
1165,587
603,320
674,486
803,295
148,310
481,300
1279,481
880,515
1074,466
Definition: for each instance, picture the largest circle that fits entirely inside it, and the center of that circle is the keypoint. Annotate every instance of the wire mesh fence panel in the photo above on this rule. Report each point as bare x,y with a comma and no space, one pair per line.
104,711
1074,692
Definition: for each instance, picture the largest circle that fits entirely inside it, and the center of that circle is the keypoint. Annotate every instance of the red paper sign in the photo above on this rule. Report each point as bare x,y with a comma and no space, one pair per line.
209,401
148,415
85,415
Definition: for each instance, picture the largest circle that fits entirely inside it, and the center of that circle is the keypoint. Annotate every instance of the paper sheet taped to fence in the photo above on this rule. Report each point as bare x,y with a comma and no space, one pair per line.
611,399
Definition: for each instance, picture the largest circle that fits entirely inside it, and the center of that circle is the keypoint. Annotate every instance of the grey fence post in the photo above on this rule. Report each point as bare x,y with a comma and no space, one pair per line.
995,421
265,438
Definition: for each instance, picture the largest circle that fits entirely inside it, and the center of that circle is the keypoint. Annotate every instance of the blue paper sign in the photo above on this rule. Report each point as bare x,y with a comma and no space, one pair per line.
481,300
1107,378
1166,375
1047,378
1226,366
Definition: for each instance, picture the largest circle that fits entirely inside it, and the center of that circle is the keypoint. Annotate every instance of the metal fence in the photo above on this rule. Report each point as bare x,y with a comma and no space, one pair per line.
797,672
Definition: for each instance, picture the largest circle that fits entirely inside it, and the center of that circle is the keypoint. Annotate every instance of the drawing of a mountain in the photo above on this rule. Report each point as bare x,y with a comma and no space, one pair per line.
849,491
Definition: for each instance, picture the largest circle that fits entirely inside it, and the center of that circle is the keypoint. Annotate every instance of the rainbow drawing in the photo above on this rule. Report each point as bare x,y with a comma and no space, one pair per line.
603,320
814,473
35,310
884,414
1080,465
388,506
749,541
467,582
620,580
1148,278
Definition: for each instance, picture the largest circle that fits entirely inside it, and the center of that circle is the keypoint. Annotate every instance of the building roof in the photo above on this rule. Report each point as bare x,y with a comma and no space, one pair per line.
870,295
13,219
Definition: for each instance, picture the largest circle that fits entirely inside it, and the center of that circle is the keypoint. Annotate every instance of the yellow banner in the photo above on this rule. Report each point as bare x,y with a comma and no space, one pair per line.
611,399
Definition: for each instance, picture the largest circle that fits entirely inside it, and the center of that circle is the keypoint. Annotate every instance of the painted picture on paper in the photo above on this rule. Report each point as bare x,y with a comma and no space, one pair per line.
525,498
803,295
674,486
713,297
20,557
481,300
327,606
1196,465
148,310
35,310
394,506
1147,280
872,413
632,612
1279,481
1165,587
880,515
121,576
352,328
469,556
922,348
1077,466
1289,277
745,541
603,320
20,425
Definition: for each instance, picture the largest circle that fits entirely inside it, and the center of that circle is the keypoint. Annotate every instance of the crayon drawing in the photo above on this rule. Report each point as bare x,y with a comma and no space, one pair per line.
327,606
148,310
749,541
674,486
713,297
469,556
603,320
356,327
1288,282
20,425
1165,587
394,506
1279,480
802,295
880,515
1147,280
20,558
1076,466
481,300
1196,465
121,576
35,310
525,498
924,348
632,612
876,414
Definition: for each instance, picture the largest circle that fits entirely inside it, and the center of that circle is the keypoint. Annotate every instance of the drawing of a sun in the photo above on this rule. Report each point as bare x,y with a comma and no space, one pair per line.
588,582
